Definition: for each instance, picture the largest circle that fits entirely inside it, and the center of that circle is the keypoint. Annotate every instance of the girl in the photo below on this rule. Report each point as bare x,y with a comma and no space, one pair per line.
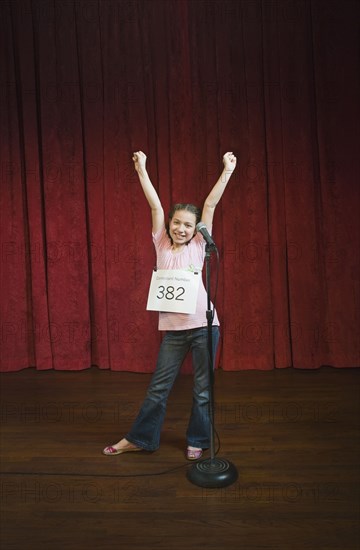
178,246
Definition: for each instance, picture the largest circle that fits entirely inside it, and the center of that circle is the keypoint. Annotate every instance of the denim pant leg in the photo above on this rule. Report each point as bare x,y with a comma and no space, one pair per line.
145,432
198,431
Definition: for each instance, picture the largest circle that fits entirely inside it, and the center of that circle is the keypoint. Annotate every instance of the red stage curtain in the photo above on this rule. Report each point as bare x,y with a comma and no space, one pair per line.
85,83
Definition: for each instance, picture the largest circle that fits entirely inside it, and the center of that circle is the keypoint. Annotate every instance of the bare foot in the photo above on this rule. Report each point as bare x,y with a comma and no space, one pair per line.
124,444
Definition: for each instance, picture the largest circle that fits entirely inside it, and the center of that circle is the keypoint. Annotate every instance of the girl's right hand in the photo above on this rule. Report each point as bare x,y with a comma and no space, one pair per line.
139,159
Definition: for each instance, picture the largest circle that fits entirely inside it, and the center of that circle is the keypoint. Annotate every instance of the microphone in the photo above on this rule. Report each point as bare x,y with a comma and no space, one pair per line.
201,227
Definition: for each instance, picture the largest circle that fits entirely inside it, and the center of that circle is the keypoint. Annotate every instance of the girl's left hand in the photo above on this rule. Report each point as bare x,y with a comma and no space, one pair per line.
229,160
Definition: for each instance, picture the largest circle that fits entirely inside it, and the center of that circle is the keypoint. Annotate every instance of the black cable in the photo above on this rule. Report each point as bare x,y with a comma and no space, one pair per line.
216,282
217,275
72,474
213,313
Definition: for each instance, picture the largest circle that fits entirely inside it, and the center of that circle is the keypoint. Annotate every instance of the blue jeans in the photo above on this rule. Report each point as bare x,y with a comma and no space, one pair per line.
146,429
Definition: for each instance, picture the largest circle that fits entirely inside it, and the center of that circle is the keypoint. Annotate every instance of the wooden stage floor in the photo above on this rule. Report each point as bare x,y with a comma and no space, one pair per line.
292,434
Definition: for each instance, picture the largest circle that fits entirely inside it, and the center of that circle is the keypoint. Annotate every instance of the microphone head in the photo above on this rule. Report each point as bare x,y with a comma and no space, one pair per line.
200,226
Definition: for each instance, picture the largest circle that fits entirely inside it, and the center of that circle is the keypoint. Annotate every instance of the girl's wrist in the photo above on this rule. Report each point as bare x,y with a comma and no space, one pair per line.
142,171
228,170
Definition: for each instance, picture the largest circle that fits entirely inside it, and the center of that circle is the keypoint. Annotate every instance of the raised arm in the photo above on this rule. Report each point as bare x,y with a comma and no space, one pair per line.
217,191
157,212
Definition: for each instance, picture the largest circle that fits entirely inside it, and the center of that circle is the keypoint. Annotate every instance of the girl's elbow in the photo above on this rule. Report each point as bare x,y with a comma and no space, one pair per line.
210,205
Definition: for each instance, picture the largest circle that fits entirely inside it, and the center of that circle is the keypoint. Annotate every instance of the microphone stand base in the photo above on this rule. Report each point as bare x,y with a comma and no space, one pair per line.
212,472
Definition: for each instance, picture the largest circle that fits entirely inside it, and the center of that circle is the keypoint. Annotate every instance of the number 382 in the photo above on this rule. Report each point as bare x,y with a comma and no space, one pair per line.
170,293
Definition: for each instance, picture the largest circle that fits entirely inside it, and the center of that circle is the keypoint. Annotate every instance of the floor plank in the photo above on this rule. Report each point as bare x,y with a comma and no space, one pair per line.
292,434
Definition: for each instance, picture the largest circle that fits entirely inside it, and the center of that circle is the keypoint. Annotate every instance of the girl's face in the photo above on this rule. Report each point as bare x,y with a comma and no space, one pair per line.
182,227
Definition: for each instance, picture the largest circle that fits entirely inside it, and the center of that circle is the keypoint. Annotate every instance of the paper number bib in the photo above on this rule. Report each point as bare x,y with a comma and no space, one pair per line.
173,290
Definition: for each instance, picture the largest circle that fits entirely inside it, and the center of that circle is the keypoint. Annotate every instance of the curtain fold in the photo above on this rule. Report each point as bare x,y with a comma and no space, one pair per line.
85,83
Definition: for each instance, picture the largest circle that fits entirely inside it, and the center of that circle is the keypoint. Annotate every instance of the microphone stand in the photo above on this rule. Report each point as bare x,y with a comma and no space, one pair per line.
213,471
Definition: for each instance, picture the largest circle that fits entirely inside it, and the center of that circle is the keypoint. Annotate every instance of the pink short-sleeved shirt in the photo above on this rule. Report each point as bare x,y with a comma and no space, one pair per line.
191,258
